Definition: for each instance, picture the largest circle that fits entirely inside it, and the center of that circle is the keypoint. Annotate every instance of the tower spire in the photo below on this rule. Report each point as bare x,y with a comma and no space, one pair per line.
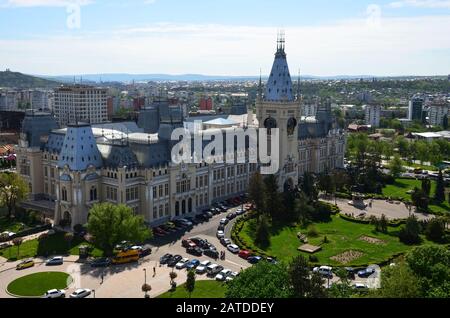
260,84
298,85
281,41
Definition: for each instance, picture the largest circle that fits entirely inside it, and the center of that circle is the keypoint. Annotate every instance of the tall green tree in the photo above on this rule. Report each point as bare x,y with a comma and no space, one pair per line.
435,230
299,277
13,190
399,281
396,166
439,195
420,199
110,224
262,234
257,193
190,282
410,232
264,280
309,186
273,198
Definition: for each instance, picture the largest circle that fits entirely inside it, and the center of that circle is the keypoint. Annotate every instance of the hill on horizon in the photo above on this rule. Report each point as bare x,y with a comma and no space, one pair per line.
22,81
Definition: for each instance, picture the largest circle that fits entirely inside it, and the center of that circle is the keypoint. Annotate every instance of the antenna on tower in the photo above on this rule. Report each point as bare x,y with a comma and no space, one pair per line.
260,84
281,40
298,85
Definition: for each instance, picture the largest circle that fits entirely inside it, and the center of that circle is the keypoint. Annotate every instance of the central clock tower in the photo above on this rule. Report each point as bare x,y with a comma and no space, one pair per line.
280,108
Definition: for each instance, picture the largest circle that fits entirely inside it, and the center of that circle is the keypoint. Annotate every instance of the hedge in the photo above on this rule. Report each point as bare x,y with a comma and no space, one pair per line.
392,223
31,231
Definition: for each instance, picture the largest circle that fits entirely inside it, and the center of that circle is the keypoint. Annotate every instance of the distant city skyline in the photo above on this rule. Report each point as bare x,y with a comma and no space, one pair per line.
225,38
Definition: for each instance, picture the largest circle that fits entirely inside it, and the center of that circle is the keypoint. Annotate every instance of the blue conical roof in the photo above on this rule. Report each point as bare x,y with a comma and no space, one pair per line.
79,150
279,86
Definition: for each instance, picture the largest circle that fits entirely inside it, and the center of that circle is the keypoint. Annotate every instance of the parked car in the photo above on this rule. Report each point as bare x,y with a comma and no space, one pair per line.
240,211
57,260
245,254
369,271
222,276
7,233
165,259
191,220
174,260
201,218
254,259
231,216
80,293
220,234
213,269
233,248
211,253
325,271
25,264
182,263
224,221
350,272
192,264
199,241
159,231
201,268
101,262
209,214
272,260
188,243
360,286
221,227
232,276
196,251
145,251
123,245
225,241
55,293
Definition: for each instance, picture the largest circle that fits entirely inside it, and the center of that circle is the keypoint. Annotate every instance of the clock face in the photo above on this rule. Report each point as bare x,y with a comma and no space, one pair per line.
291,125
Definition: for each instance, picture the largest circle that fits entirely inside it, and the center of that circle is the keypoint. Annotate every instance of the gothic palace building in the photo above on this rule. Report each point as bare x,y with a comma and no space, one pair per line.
71,169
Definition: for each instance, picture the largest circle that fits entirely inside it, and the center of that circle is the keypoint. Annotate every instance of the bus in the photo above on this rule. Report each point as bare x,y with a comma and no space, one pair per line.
124,257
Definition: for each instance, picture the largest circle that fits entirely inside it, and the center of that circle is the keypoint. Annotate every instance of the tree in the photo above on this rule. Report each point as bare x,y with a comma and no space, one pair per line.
383,224
13,190
439,196
399,281
431,264
190,282
426,187
299,276
256,192
146,288
309,187
264,280
316,288
435,230
172,276
396,166
409,233
17,242
273,199
110,224
262,234
420,199
341,289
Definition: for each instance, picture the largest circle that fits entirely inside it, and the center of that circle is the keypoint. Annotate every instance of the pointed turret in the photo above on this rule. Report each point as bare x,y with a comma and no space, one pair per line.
279,86
79,150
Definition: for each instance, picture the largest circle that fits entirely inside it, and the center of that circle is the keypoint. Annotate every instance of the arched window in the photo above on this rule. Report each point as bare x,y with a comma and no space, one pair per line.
93,194
183,207
64,194
177,208
190,205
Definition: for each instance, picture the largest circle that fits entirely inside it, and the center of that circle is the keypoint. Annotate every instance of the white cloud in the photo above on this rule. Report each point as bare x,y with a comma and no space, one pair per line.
429,4
43,3
397,46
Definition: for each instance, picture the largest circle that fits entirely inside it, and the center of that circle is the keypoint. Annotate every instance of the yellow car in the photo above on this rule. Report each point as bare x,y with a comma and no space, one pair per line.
25,264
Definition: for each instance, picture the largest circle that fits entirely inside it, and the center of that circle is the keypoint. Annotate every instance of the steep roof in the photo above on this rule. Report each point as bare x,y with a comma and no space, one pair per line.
79,150
279,86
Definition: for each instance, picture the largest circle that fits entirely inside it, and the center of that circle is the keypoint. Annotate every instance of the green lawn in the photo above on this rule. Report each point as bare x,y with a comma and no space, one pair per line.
203,289
54,244
37,284
402,186
343,236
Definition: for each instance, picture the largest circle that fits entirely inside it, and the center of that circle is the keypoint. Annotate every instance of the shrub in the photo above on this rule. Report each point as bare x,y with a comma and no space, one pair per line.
312,231
313,259
435,230
409,233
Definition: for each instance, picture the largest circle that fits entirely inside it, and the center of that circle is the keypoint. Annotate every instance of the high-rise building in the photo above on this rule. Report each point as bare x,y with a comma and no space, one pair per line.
80,103
373,115
206,103
437,110
416,109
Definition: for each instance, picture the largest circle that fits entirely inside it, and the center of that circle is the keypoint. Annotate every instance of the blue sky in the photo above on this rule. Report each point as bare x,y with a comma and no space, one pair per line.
324,37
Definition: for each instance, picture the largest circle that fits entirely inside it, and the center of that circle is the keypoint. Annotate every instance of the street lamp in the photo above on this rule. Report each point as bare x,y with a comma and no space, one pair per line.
145,275
93,291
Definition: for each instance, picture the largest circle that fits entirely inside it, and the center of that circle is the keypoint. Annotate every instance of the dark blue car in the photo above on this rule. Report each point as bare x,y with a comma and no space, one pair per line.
192,264
101,262
366,272
254,259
